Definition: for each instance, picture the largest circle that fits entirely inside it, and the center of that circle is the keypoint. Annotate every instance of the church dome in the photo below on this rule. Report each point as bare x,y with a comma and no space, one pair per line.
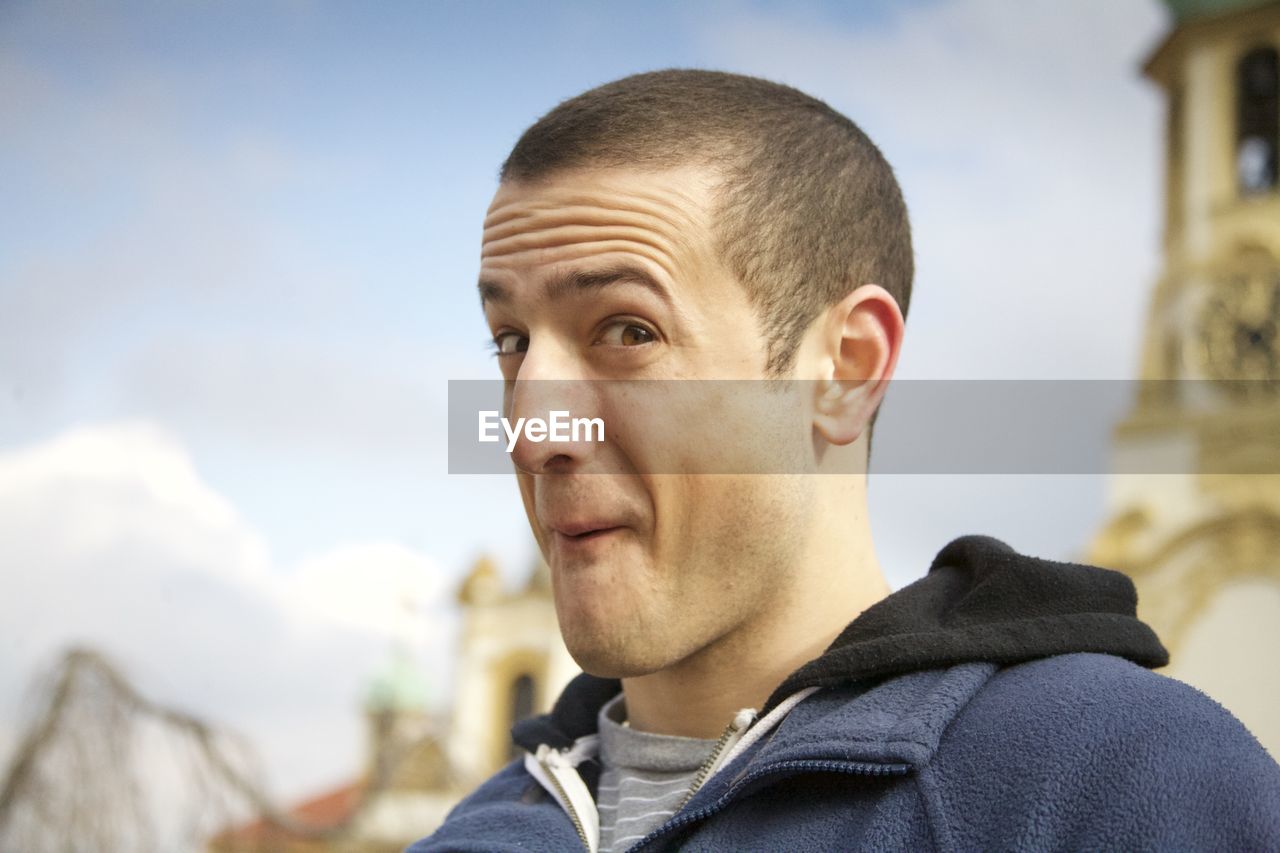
399,686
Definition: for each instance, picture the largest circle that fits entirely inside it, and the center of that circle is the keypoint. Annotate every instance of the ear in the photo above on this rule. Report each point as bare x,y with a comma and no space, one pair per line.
861,337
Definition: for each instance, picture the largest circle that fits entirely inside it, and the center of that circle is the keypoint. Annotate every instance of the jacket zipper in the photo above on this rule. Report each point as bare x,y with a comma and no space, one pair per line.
732,732
555,763
735,739
573,813
782,767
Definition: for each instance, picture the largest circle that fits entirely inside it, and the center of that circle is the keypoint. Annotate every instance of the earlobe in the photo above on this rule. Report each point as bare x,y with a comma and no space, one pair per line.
839,410
863,335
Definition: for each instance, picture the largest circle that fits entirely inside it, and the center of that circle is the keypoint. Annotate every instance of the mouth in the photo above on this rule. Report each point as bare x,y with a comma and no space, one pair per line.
582,533
586,531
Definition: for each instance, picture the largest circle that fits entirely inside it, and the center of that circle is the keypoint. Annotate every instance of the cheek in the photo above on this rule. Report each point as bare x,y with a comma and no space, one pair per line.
701,522
712,427
673,499
745,532
526,484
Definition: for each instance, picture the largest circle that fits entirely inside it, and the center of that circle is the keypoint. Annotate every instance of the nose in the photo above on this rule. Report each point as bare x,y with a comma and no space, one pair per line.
554,409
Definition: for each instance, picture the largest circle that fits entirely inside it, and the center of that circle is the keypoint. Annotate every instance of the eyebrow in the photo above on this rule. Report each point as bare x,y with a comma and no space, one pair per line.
579,281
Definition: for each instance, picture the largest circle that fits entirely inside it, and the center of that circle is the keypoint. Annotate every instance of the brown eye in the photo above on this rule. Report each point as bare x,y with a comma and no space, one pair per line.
633,335
627,335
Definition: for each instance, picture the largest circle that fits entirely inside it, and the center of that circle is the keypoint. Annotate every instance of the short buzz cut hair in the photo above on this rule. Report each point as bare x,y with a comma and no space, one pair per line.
808,208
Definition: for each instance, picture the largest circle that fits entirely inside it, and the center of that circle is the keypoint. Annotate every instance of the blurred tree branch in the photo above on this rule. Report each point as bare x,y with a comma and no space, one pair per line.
74,780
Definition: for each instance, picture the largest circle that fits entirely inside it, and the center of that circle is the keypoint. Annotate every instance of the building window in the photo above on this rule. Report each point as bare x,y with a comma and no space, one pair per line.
521,706
1257,120
1173,161
521,698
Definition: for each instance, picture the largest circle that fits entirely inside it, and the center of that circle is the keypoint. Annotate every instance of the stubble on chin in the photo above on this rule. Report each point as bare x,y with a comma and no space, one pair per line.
625,633
607,642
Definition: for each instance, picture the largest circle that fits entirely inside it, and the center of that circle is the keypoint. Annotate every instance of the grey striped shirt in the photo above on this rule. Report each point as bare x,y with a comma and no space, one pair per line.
644,777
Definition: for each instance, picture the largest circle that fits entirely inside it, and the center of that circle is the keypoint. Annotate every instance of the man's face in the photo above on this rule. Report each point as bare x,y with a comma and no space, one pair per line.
612,275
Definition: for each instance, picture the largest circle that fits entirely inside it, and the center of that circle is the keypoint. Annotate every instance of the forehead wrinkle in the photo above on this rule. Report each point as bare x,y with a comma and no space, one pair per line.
678,215
664,221
588,216
577,250
524,225
641,240
675,227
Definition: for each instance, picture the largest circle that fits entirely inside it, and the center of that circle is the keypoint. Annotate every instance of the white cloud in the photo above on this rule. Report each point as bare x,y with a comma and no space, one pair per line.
140,454
357,586
112,539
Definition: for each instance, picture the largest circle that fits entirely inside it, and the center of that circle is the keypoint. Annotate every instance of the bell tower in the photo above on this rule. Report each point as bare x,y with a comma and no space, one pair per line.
1216,308
1201,539
512,663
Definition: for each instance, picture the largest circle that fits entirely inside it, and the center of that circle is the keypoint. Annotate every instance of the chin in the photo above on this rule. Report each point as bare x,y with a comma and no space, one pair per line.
603,664
614,650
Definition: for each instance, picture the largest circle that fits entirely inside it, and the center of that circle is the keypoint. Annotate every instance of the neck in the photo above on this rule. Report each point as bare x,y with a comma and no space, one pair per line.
837,579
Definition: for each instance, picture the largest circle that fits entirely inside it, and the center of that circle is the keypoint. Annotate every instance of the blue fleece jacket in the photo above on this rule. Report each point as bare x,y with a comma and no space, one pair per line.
1059,751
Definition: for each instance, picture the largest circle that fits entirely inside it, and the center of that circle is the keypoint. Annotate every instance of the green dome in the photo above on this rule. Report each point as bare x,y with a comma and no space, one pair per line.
399,686
1187,10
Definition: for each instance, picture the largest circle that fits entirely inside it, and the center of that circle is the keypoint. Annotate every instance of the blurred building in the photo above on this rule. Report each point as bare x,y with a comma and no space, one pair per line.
1203,545
511,664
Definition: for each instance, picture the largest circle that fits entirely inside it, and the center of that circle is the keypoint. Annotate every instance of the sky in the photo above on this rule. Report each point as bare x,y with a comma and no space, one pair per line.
237,270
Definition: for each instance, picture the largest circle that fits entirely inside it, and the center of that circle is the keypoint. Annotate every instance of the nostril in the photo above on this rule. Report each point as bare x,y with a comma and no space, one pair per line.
556,462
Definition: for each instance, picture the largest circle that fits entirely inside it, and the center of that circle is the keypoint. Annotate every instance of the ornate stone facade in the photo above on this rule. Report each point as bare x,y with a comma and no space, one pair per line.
1203,544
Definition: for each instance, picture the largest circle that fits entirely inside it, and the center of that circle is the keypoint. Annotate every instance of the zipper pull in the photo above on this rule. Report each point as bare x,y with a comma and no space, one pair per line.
743,719
572,793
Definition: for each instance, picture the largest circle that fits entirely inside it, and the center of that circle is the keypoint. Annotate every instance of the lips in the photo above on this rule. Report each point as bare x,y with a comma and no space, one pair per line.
573,515
583,528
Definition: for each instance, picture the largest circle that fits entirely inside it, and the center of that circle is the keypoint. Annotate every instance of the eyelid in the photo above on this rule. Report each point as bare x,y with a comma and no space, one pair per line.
625,321
496,343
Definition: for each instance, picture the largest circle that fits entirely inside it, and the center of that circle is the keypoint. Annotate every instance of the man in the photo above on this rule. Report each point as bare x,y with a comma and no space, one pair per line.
750,681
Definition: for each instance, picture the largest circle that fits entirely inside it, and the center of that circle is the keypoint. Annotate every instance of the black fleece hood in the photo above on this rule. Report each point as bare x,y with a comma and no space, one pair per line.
979,601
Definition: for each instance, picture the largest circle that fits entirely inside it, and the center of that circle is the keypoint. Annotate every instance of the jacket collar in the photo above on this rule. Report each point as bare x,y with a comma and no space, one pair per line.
981,603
